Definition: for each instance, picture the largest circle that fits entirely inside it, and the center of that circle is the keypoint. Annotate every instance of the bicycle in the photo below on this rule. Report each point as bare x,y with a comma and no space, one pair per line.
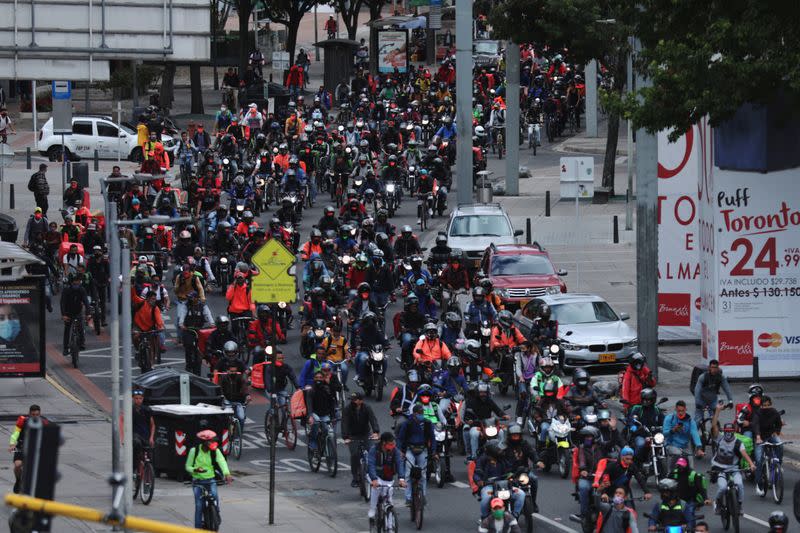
144,477
239,329
728,503
94,311
385,517
326,448
772,471
147,348
234,431
287,426
423,204
210,513
417,496
499,140
76,336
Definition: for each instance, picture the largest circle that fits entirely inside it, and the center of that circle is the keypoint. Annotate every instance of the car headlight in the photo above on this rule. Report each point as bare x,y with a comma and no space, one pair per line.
503,293
553,289
658,438
632,344
572,347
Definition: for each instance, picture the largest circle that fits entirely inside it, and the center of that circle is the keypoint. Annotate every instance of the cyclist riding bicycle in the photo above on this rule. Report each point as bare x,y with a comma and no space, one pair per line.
74,305
321,402
729,452
359,424
16,444
144,426
202,462
284,375
415,438
384,462
235,389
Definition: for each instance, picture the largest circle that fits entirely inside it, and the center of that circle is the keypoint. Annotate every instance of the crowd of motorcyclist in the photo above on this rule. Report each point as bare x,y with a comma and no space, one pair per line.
365,150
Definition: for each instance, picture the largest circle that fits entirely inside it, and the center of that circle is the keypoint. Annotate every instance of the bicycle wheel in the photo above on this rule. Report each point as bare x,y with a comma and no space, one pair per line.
380,519
74,347
733,506
96,320
290,433
268,428
211,517
314,460
438,474
777,483
148,482
331,458
765,479
391,521
418,506
236,439
137,480
725,514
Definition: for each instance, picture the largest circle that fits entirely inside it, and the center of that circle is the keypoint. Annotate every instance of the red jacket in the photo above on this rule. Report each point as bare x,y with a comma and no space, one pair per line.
633,382
258,335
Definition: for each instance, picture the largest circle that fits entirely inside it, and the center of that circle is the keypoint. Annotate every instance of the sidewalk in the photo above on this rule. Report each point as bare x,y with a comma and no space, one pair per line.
582,144
85,465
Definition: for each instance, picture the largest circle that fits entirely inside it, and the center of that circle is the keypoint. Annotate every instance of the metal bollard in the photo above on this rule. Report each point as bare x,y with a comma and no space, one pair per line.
28,163
547,203
756,373
616,229
528,236
96,161
11,196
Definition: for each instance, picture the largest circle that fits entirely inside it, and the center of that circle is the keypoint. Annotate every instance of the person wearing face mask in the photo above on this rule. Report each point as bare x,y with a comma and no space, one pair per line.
415,438
202,462
691,487
620,473
37,225
637,377
617,517
671,511
680,432
15,339
586,458
728,454
238,294
748,419
430,407
493,463
74,305
359,426
384,462
499,520
523,457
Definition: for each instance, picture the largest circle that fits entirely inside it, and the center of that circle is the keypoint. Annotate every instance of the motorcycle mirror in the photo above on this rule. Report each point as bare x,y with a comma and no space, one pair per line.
506,407
423,249
663,400
782,412
568,333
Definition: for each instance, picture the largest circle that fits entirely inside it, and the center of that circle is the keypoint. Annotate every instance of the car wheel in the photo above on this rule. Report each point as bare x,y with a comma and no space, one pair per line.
54,153
136,155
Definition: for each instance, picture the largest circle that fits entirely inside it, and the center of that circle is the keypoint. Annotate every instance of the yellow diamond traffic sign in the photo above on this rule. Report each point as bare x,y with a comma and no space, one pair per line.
275,282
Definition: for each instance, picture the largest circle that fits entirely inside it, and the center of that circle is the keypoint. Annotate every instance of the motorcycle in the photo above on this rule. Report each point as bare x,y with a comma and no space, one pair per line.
411,179
313,337
283,316
374,376
392,200
482,333
441,201
224,273
505,369
558,446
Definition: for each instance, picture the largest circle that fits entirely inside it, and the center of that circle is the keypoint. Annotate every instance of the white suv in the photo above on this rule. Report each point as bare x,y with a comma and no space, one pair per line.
473,227
95,132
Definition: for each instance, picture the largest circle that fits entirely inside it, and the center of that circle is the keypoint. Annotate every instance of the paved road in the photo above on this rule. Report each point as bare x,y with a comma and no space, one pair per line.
450,509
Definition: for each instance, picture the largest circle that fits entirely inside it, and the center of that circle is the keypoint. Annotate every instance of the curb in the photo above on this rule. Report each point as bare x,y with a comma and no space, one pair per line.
566,148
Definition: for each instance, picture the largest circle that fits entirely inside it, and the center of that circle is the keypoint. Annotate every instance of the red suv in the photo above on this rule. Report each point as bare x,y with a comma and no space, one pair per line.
521,272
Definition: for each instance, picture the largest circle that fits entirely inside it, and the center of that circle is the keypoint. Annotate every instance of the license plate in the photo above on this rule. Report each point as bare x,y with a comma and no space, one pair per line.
607,358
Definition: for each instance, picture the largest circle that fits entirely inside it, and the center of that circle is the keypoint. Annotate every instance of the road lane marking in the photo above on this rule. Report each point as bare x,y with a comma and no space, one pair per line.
756,520
459,484
61,388
554,523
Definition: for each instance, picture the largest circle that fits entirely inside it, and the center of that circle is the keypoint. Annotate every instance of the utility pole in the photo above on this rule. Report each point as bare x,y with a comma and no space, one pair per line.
464,100
127,401
591,98
512,119
629,192
647,242
114,267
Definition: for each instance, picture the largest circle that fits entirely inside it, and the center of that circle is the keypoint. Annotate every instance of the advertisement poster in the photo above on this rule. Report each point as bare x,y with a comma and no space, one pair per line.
392,50
679,301
754,270
22,328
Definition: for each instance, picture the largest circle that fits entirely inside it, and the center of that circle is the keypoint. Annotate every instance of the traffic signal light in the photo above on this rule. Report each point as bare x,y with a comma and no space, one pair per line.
39,475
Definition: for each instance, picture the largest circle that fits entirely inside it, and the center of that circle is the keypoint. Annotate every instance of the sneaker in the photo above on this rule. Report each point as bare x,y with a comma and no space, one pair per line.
519,420
760,491
575,517
716,508
419,221
354,483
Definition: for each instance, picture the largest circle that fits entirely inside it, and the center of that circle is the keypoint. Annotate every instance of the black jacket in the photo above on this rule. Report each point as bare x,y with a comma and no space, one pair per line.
322,398
73,301
356,423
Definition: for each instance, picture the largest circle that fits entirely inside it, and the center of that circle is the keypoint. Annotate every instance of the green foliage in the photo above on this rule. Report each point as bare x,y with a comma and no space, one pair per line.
709,58
147,77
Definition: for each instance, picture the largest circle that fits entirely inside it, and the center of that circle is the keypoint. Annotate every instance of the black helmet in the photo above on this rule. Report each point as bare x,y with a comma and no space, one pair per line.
581,378
544,312
505,318
369,318
364,287
454,362
493,451
317,293
425,390
589,432
755,390
778,522
262,309
478,294
441,240
648,396
223,321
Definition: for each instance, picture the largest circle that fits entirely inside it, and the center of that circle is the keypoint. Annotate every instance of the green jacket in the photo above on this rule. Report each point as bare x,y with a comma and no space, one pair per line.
203,460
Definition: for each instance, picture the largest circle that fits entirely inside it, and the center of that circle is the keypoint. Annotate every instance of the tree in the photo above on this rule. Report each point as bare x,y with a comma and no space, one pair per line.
244,9
349,10
588,29
708,59
375,7
289,13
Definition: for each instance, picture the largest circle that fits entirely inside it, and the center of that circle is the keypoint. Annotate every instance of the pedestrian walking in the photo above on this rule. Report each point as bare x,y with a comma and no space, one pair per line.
40,188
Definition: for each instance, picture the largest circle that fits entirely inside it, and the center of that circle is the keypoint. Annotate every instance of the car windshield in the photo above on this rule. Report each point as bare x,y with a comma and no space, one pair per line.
583,313
485,47
520,265
128,128
480,226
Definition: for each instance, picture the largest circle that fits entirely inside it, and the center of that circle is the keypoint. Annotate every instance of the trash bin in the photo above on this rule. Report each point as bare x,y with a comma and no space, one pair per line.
485,193
80,172
162,386
8,228
176,433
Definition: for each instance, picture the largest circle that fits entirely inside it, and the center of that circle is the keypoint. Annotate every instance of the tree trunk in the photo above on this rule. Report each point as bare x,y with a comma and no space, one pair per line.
197,89
350,19
167,93
609,162
244,12
374,14
291,36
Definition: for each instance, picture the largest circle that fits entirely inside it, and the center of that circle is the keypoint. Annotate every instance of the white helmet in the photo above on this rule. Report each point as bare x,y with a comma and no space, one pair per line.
479,131
316,115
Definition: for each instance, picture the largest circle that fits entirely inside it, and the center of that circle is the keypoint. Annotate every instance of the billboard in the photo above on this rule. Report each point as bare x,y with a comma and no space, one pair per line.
22,336
753,260
679,301
392,50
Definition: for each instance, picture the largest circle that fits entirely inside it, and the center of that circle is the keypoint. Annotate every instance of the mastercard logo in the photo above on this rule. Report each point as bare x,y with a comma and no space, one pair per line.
770,340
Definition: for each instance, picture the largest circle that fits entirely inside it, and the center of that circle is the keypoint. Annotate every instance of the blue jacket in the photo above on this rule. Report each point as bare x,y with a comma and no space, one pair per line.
396,458
413,432
447,132
449,336
476,314
306,377
681,437
449,384
485,469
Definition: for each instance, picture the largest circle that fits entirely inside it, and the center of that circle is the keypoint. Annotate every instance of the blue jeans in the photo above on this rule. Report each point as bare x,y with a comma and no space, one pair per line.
380,298
759,455
639,444
345,371
239,413
544,428
690,513
420,460
584,493
407,344
361,365
312,432
198,498
517,501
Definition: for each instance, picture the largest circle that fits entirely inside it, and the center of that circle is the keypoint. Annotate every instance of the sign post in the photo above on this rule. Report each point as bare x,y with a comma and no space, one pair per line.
62,119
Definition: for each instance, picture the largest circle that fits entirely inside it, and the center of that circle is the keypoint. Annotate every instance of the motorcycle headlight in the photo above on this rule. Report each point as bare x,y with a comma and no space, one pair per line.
268,350
390,187
412,168
523,479
439,436
377,356
223,260
491,431
226,161
240,208
658,438
504,494
346,259
555,349
319,333
485,332
282,305
553,289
